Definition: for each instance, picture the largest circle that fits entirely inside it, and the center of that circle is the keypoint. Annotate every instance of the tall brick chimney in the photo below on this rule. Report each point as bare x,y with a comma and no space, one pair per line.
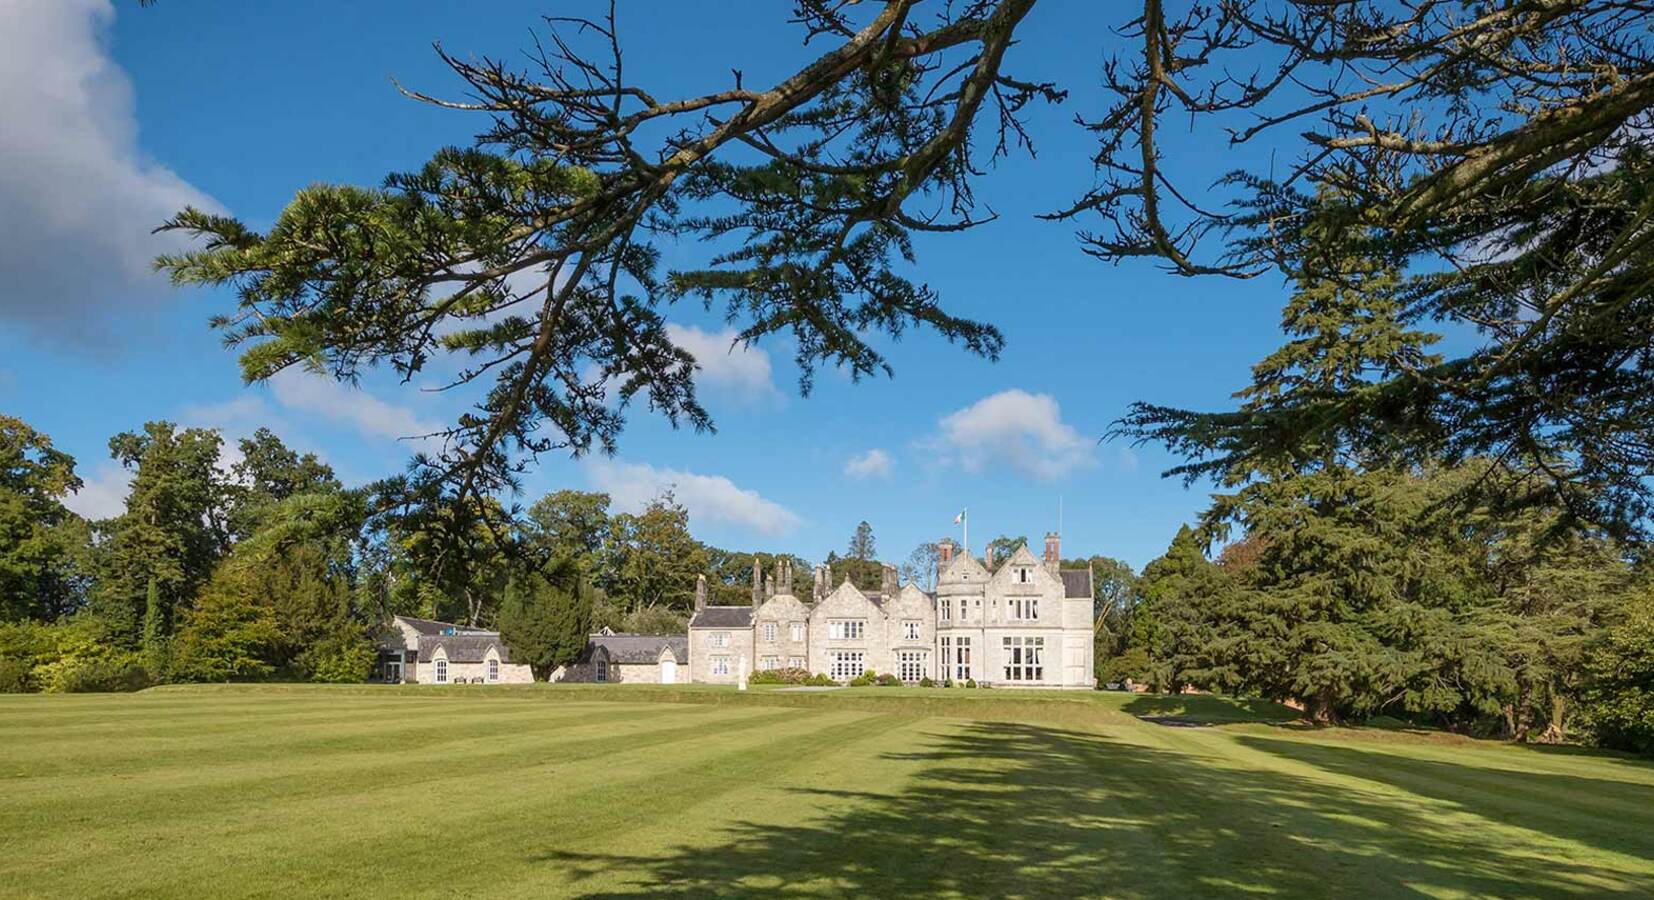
1053,550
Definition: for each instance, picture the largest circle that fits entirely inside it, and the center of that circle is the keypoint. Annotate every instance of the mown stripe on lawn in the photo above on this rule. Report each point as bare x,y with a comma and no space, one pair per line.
346,839
55,828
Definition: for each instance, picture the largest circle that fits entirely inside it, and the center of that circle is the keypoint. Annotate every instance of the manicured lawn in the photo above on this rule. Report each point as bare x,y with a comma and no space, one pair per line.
642,792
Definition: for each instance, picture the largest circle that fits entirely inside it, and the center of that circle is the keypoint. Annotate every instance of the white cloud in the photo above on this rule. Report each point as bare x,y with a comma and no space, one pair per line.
103,493
725,365
80,200
1013,429
875,463
347,405
709,498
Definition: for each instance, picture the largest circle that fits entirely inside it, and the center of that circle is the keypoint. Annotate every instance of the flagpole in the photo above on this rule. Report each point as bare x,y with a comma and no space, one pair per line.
965,519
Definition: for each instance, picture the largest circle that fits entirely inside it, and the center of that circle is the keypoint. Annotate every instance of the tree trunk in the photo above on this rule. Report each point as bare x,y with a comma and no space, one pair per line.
1319,708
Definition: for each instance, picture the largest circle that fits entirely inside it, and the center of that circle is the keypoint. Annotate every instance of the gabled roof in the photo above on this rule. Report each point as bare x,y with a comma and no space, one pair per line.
962,565
639,648
722,617
1076,583
465,648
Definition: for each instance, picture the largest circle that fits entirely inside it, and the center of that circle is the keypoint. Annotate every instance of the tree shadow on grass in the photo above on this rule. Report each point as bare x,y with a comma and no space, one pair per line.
1210,708
1020,810
1606,814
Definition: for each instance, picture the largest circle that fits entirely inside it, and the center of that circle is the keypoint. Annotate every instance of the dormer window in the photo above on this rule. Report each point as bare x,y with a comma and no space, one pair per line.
1023,575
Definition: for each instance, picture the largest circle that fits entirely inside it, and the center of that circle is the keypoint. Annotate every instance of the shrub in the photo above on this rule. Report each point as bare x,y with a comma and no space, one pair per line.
780,676
970,682
889,680
14,676
865,679
820,680
94,676
343,658
927,682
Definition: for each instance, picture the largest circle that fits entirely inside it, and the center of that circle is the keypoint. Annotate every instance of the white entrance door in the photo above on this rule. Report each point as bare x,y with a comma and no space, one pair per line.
668,671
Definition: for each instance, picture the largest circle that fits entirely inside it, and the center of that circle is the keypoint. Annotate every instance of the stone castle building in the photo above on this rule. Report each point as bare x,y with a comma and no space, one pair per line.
1026,623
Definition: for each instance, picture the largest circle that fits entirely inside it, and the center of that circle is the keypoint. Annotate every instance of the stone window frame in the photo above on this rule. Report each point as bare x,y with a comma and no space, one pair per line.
770,633
720,665
439,670
493,670
910,665
798,632
795,662
1024,657
844,665
846,629
1023,609
766,663
602,669
910,629
719,639
956,657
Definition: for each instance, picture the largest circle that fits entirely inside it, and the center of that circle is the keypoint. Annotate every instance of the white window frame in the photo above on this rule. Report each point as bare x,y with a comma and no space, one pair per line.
769,632
845,665
846,629
1024,609
439,669
947,610
1024,658
910,629
720,665
960,662
602,673
720,639
1023,575
798,632
493,671
910,666
795,662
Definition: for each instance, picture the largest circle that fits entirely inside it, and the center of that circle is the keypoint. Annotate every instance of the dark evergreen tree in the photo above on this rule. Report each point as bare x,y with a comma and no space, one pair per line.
546,618
861,543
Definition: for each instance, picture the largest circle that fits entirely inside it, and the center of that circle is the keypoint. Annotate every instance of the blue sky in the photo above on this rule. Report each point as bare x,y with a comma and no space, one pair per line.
121,114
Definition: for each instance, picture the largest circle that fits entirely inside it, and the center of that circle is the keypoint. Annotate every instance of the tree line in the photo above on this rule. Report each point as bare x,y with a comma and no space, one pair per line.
1450,590
271,568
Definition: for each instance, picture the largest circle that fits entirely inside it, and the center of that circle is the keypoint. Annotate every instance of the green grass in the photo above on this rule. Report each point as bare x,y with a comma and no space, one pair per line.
638,791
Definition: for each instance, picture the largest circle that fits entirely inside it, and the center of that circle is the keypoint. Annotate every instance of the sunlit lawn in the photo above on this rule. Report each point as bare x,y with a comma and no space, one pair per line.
637,791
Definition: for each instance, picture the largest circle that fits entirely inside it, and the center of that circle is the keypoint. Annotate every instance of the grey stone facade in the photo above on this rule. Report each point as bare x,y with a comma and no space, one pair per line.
1026,624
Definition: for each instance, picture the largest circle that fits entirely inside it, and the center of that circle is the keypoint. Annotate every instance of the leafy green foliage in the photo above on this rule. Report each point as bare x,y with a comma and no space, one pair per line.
861,543
1619,697
38,537
172,532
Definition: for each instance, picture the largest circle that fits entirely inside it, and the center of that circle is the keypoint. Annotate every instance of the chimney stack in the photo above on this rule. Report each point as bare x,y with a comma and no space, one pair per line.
988,559
819,591
700,592
944,552
888,581
757,582
1053,550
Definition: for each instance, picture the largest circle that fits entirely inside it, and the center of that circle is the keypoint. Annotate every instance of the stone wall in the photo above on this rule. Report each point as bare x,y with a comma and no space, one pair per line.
701,653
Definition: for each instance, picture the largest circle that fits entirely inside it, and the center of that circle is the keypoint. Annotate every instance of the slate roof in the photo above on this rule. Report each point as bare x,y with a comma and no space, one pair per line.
1076,582
638,648
722,617
428,626
463,648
